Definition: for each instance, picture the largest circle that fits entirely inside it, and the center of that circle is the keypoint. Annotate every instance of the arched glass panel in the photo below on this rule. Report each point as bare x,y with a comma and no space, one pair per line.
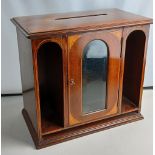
94,76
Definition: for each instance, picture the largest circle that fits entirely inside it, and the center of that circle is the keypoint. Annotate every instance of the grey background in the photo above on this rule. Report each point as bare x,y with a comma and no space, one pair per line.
11,82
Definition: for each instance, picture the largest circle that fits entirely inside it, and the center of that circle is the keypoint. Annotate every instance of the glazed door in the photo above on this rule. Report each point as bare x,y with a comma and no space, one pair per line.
93,74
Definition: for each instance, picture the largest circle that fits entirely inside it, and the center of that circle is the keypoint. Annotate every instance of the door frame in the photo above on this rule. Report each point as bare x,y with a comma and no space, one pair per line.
76,45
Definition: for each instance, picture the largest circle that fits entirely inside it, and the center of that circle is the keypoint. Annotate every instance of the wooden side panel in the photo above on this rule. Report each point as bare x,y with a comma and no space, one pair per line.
27,77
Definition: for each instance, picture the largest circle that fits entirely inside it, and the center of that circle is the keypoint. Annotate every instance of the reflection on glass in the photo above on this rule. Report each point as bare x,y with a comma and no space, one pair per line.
94,75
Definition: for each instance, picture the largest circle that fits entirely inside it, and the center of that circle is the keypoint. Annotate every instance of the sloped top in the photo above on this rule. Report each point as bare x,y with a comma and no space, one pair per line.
38,25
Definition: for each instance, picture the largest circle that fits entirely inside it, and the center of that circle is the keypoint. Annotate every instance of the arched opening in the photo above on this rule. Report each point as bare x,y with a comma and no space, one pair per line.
94,76
50,74
134,55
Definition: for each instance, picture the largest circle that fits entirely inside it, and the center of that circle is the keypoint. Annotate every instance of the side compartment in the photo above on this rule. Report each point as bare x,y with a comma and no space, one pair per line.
134,59
50,73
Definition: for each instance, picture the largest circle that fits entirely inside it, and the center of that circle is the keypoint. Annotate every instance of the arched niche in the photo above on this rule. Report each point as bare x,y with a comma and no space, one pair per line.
133,66
50,77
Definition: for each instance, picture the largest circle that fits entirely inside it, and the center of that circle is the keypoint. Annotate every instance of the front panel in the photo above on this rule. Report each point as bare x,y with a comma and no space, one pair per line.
94,68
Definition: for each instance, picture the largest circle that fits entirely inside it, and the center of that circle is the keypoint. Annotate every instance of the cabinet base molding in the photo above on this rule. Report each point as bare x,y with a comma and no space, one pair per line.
79,131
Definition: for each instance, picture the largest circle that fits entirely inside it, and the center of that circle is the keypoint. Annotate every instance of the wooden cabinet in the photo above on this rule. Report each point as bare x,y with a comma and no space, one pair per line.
81,72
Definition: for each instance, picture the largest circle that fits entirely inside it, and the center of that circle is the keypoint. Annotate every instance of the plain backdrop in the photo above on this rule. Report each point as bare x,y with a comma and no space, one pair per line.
11,82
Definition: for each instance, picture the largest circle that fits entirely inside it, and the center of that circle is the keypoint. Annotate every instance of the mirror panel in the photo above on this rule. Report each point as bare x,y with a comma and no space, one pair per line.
94,76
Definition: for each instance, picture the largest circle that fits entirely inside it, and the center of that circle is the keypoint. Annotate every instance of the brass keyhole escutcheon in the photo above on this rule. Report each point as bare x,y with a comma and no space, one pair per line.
72,82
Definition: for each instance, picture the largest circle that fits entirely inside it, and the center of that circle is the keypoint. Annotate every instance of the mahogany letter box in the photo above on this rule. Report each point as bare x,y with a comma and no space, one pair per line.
81,72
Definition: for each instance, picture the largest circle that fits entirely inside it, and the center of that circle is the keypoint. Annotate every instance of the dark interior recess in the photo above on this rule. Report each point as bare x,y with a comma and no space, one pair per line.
134,55
50,85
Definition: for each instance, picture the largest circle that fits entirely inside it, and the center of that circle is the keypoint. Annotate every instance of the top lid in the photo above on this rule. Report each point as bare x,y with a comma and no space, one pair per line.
33,26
